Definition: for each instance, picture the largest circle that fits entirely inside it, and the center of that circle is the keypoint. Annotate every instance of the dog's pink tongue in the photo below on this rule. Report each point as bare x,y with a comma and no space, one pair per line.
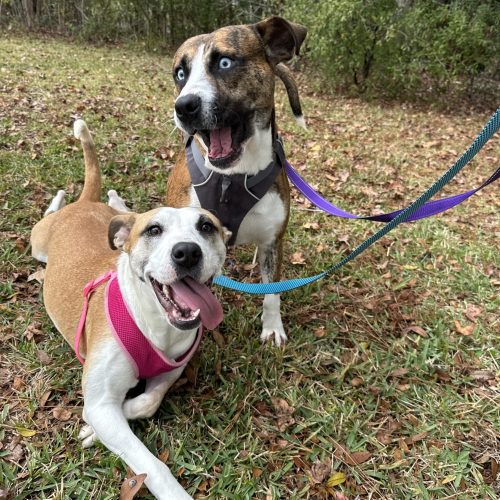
220,143
198,296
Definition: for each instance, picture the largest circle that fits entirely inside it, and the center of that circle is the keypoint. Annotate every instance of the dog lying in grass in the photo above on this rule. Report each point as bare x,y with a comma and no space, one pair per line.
146,301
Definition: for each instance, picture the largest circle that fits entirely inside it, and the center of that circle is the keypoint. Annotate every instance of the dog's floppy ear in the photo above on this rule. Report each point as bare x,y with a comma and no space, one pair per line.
226,234
282,39
119,230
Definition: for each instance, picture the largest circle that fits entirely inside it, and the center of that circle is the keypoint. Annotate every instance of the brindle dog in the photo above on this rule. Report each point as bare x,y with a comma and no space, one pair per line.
225,82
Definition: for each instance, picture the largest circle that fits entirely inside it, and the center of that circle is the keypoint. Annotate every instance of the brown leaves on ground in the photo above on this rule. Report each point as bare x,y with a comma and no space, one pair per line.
283,413
131,486
298,259
320,471
464,330
62,414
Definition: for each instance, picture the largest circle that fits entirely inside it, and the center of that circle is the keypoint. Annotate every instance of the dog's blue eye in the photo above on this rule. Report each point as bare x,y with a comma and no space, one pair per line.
225,63
179,74
154,231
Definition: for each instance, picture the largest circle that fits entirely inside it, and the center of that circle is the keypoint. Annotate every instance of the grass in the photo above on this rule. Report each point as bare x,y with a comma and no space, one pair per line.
390,374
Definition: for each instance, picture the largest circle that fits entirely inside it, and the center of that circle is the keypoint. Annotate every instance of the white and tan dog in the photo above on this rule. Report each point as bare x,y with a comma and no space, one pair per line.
162,259
225,82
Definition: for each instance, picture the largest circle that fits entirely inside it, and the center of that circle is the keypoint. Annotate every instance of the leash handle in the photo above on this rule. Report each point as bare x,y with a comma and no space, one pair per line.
283,286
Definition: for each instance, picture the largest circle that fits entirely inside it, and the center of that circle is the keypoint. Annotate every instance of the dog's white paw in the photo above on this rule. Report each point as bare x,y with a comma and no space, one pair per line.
272,326
275,335
142,406
88,436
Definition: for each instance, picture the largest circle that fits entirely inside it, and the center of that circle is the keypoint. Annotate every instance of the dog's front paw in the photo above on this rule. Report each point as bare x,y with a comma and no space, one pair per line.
276,335
272,326
88,436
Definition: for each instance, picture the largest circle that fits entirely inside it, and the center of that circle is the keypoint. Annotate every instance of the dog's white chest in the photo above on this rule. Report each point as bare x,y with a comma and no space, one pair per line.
261,225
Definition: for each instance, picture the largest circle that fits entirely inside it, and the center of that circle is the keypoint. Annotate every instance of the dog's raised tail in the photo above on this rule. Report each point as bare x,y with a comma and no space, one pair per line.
92,184
285,75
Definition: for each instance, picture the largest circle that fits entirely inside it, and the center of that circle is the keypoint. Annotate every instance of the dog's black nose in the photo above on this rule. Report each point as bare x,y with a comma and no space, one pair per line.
186,255
188,106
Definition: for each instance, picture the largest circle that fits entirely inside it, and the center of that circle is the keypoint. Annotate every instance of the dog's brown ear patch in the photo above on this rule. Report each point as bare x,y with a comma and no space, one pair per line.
119,230
281,38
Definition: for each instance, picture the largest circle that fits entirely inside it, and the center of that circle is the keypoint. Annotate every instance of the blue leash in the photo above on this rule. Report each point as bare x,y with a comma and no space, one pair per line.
283,286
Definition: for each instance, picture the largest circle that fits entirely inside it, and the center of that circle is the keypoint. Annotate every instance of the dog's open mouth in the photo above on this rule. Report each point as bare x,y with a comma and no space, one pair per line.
224,144
188,302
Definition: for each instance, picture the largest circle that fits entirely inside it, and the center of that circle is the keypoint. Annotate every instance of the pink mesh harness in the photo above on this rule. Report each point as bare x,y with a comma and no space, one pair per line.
145,358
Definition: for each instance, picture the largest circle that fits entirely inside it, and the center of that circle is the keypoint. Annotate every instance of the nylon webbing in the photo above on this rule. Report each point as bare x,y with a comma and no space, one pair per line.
282,286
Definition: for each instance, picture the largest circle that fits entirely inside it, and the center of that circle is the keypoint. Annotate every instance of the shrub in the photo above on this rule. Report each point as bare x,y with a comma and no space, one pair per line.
400,47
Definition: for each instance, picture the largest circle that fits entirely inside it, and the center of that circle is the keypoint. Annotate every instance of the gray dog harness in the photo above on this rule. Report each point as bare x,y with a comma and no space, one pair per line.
231,197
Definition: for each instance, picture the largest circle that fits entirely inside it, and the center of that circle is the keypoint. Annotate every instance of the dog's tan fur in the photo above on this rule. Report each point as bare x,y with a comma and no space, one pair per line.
81,242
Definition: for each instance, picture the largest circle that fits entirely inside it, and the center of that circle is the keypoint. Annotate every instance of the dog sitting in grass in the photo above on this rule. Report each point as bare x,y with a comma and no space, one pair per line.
233,161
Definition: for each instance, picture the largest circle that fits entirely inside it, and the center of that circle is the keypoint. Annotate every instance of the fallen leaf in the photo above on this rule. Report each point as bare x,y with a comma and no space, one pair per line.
398,372
482,375
203,486
43,399
219,339
31,331
464,330
320,332
311,225
335,479
383,437
297,259
21,245
320,471
412,419
473,312
414,439
483,458
62,414
416,329
338,495
18,383
43,357
23,431
449,479
284,421
16,454
37,275
256,472
442,375
281,406
357,457
131,486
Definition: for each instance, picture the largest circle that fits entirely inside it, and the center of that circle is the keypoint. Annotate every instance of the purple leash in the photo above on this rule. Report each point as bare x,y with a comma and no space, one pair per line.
426,210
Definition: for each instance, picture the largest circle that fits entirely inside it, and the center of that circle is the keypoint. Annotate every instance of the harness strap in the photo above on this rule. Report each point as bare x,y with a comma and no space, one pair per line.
87,292
231,197
146,359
